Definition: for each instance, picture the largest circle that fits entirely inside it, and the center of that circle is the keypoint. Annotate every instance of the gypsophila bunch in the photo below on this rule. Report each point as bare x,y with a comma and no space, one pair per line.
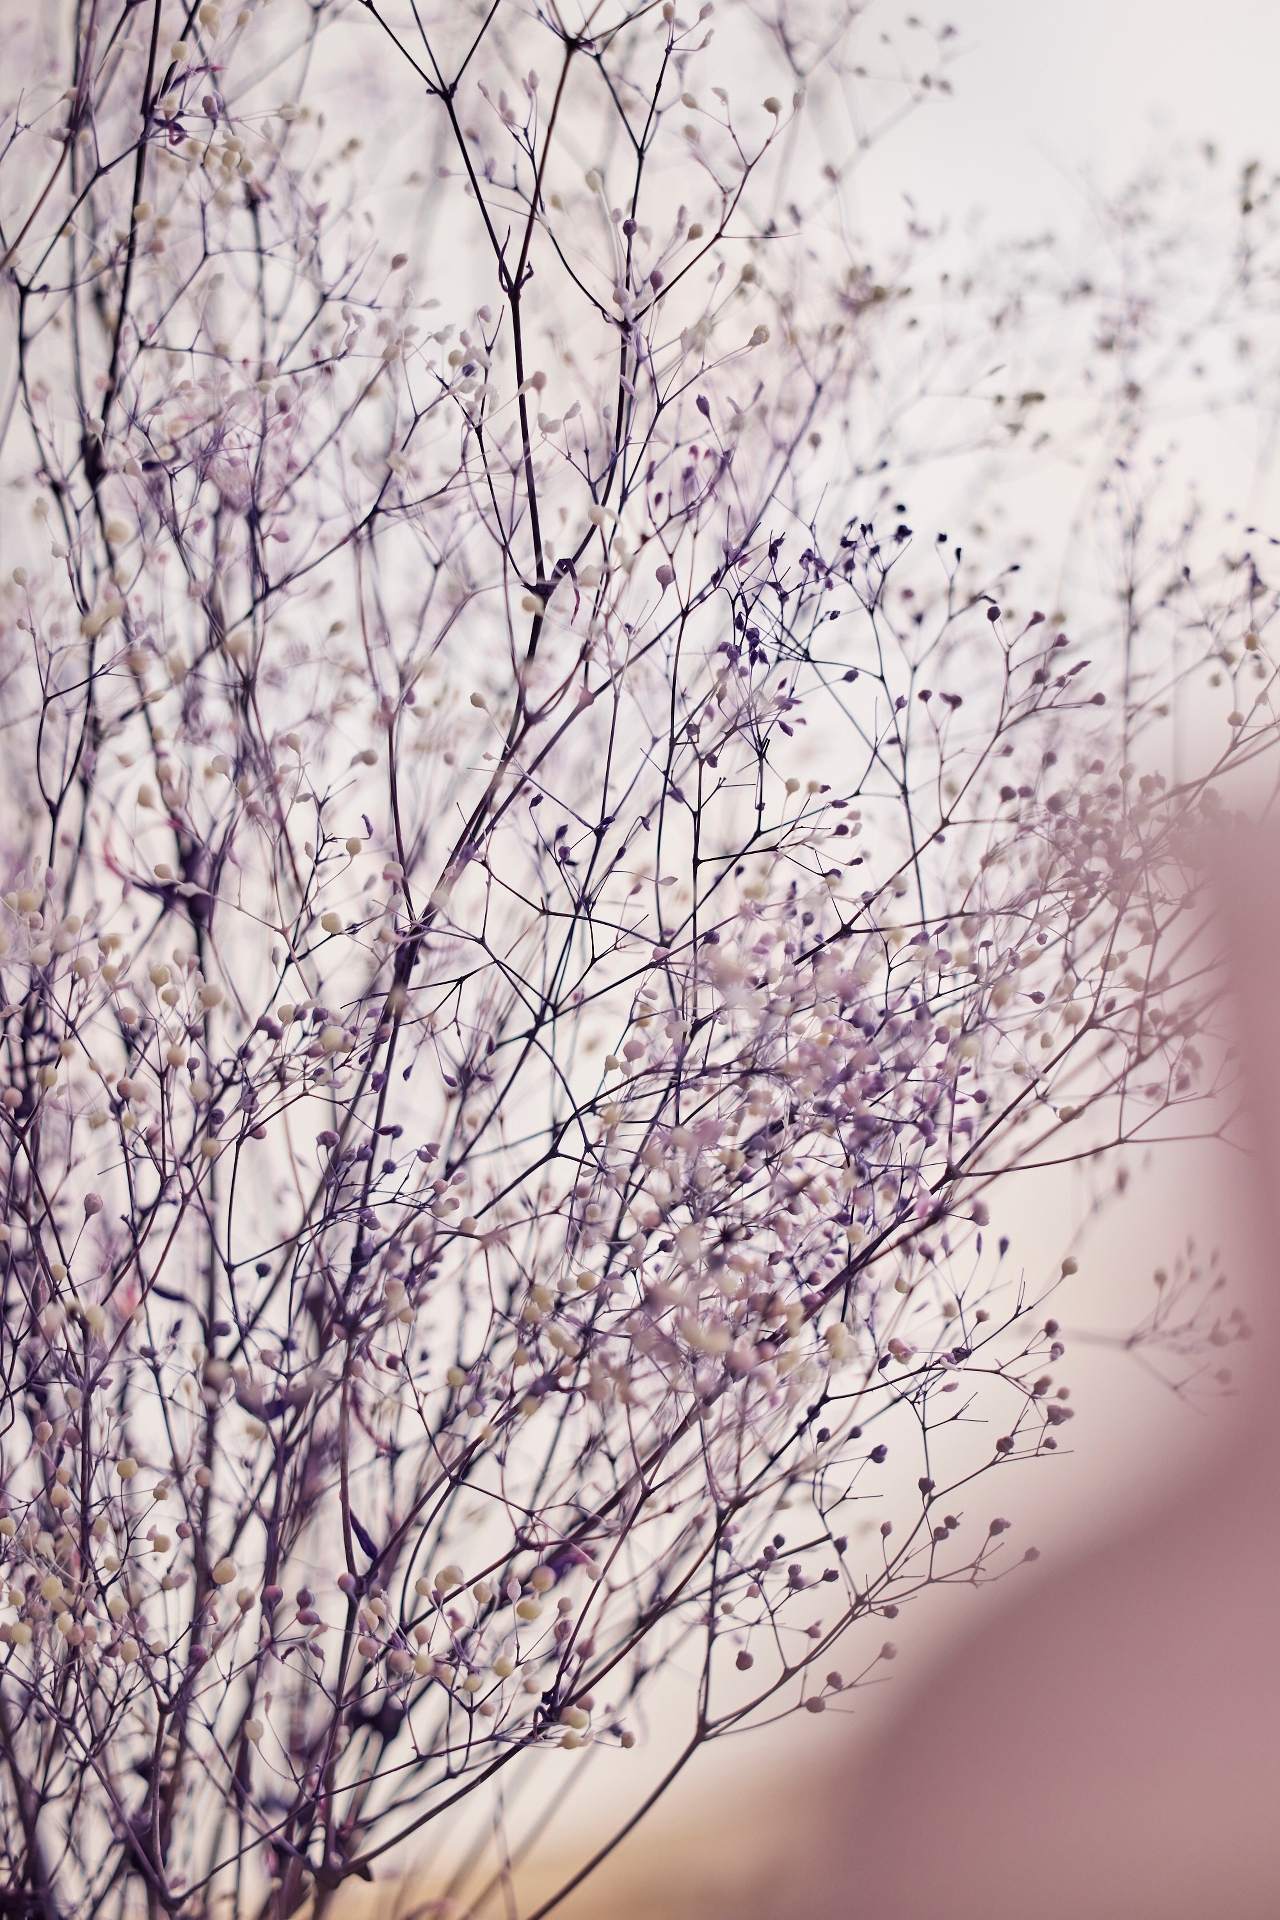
539,916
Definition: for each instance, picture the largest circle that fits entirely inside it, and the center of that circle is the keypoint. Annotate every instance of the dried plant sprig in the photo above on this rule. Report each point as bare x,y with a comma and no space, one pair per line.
540,916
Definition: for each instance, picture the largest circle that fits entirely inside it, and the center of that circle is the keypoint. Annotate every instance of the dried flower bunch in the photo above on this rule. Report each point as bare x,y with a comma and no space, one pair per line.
537,913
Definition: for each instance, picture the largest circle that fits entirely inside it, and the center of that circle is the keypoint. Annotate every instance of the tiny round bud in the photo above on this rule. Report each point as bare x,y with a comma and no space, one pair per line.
254,1730
225,1572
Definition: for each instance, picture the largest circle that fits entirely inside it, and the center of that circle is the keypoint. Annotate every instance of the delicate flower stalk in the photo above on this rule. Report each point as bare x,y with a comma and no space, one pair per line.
539,918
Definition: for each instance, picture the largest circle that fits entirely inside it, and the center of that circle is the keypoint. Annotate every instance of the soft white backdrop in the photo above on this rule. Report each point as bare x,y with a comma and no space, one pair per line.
1047,95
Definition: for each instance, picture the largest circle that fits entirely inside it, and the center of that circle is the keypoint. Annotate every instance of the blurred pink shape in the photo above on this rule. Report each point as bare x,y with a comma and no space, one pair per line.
1109,1745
